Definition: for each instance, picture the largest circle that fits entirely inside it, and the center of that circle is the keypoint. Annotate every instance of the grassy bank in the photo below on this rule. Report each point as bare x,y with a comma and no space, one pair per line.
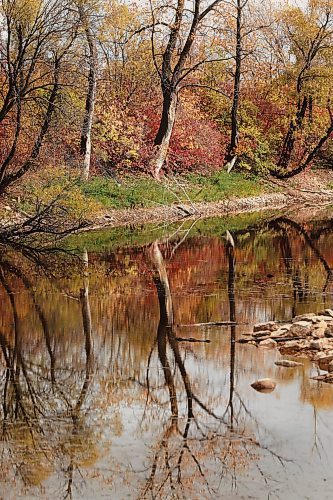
99,195
145,192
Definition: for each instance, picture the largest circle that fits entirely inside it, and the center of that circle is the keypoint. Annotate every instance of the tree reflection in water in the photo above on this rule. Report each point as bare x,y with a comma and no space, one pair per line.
56,387
36,397
196,435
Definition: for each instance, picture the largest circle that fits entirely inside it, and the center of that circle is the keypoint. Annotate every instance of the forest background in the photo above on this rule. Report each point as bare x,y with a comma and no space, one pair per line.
111,104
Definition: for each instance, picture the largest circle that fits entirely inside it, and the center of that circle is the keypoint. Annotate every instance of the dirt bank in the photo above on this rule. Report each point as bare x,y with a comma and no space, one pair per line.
302,198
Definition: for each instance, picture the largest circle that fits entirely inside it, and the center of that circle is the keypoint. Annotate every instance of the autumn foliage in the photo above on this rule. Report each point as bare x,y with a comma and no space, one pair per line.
284,115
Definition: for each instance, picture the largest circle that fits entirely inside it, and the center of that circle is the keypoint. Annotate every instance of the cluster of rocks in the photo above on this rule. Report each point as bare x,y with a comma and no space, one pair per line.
308,335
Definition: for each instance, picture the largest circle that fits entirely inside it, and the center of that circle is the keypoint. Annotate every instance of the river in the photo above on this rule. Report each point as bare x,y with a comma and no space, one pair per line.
104,393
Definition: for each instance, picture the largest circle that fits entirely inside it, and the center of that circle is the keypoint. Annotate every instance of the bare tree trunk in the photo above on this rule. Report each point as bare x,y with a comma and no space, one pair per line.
162,139
87,330
237,78
85,146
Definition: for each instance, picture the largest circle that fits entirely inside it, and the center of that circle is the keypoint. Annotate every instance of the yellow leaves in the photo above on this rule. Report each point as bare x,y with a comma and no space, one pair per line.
306,28
24,12
118,17
82,448
58,184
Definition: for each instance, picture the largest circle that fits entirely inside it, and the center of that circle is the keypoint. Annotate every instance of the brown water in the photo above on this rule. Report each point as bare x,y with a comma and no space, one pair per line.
101,397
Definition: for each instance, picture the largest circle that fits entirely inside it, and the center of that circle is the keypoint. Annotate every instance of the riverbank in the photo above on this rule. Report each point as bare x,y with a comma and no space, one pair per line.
140,200
267,201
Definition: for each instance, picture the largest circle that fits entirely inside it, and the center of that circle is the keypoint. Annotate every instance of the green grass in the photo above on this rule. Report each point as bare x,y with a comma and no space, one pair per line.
135,192
221,185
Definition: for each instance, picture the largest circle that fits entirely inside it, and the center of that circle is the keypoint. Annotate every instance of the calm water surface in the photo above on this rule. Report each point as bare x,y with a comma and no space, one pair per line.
103,397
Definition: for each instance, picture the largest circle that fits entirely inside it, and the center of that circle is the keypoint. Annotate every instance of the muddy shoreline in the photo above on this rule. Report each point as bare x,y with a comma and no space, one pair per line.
302,199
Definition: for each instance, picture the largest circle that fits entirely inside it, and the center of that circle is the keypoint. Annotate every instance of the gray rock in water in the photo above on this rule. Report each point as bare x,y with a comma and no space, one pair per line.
318,344
324,362
270,343
270,326
288,363
264,385
299,331
303,323
329,331
323,317
304,317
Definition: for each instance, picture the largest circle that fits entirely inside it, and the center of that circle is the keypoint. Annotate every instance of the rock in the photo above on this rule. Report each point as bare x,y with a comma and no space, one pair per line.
319,333
300,331
319,330
304,317
270,326
292,344
270,343
286,326
329,312
322,317
324,361
328,377
287,363
264,385
303,323
320,324
330,367
318,344
280,333
329,331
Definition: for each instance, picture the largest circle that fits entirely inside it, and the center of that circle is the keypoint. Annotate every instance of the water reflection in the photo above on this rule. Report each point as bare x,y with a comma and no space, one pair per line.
104,392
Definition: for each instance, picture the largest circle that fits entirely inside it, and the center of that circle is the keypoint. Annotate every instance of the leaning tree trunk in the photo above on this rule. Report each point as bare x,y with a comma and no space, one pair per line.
290,138
85,146
282,174
163,136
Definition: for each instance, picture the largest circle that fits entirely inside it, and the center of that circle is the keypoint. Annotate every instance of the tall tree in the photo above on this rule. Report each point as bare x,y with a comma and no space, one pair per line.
309,39
231,153
182,33
85,14
35,40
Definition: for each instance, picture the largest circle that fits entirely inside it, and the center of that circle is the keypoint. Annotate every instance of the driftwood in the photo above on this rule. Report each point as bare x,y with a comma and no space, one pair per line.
191,339
213,323
277,339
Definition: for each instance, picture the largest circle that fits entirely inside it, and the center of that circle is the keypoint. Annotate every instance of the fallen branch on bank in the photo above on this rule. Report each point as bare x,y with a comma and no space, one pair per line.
212,323
191,339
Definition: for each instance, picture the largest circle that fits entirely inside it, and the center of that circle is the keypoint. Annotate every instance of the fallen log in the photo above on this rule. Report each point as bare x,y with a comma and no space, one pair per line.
191,339
212,323
277,339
